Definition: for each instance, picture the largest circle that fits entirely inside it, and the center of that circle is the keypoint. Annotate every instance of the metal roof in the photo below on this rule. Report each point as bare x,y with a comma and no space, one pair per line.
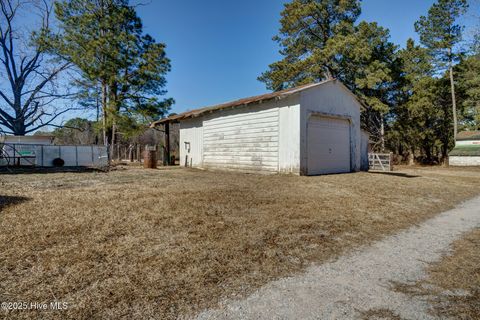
468,135
241,102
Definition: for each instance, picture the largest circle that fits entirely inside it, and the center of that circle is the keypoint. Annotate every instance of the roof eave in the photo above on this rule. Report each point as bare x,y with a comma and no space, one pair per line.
196,115
230,105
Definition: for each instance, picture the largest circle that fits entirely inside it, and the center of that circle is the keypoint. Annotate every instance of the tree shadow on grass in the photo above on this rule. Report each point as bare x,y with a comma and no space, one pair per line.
6,201
396,174
382,313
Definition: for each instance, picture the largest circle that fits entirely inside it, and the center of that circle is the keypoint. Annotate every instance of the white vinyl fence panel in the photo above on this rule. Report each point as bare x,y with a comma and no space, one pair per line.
43,155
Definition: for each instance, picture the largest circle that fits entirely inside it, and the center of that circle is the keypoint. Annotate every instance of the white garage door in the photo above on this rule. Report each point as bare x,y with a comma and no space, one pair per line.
328,144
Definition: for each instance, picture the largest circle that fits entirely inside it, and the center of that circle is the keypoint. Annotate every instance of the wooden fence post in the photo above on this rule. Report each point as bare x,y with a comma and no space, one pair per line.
130,153
167,142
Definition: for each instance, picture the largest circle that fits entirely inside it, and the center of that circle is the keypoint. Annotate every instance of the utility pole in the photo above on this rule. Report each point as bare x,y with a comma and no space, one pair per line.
454,101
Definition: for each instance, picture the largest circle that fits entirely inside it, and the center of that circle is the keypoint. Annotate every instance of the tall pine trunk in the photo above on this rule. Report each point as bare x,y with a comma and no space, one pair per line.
104,113
113,140
382,133
454,101
411,157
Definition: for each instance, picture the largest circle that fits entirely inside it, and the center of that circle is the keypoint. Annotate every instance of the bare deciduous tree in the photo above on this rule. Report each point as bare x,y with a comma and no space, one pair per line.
30,91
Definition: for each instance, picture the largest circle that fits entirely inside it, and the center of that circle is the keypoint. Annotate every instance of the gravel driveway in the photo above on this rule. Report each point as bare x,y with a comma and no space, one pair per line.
361,281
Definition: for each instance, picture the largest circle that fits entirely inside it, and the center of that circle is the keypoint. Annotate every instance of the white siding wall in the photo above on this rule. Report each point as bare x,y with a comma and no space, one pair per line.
467,142
459,161
289,136
259,138
244,140
191,142
330,99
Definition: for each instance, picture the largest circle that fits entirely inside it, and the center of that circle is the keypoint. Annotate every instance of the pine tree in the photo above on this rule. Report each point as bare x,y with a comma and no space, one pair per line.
469,86
422,114
319,40
105,40
404,135
306,28
440,33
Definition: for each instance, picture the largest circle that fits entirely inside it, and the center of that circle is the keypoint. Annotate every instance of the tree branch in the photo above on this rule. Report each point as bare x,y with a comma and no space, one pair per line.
48,123
42,84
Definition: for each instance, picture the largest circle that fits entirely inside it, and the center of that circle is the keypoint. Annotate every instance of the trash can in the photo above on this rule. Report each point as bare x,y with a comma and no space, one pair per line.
150,157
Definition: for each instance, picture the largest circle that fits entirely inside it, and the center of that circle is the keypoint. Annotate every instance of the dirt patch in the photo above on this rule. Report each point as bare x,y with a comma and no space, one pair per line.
162,243
453,283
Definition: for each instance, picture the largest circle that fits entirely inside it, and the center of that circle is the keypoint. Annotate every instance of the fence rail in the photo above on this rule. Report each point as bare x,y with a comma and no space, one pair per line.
380,161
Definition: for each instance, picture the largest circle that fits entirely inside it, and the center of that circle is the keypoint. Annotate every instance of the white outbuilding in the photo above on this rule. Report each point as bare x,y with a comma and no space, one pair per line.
467,149
28,140
309,130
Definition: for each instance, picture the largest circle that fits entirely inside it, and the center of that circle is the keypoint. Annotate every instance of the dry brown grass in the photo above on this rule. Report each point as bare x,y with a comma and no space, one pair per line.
453,283
137,243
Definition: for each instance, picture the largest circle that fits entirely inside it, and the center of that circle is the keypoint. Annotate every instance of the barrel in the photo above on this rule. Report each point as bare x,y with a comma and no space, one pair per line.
150,158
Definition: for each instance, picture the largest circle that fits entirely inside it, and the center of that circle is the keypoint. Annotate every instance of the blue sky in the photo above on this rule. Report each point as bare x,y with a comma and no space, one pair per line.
218,48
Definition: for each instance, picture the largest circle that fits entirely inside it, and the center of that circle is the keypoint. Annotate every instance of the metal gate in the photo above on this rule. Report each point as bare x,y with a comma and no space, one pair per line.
380,161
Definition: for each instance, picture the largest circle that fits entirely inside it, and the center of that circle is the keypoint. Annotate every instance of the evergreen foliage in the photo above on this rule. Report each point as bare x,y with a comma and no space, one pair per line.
104,39
408,94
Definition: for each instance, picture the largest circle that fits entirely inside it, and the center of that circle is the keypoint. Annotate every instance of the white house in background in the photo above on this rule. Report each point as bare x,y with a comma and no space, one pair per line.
36,139
309,130
467,149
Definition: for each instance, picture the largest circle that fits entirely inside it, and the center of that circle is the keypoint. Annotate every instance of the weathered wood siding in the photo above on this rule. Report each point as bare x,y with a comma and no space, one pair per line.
246,140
